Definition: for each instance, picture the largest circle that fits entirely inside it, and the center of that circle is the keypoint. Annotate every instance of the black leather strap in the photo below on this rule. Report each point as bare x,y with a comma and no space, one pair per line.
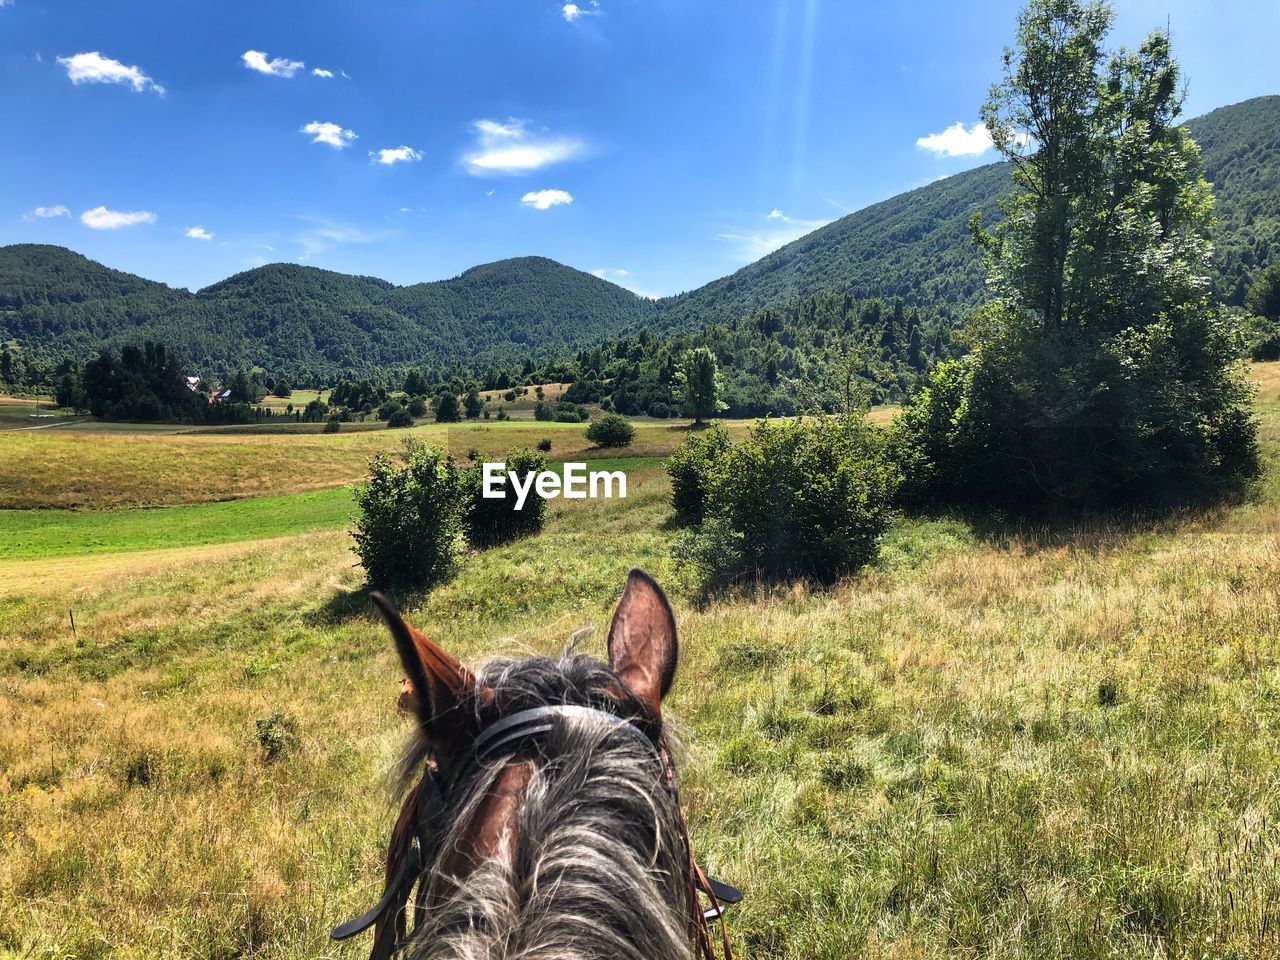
395,894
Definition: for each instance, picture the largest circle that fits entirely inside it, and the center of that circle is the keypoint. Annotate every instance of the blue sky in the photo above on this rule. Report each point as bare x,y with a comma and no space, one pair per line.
660,143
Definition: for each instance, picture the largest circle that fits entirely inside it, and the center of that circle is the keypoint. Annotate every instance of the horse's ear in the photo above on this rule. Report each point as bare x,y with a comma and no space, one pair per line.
443,689
642,640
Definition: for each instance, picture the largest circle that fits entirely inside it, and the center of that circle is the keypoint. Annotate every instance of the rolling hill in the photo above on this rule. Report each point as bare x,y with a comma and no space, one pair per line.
302,320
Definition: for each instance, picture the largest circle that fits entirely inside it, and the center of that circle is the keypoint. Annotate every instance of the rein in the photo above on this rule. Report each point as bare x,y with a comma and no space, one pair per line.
421,821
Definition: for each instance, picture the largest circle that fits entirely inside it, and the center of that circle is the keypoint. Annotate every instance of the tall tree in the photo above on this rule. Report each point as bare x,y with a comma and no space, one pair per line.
699,379
1101,369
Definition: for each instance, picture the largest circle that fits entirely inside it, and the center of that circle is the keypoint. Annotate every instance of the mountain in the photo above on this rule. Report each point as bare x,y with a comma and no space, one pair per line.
917,246
302,320
315,323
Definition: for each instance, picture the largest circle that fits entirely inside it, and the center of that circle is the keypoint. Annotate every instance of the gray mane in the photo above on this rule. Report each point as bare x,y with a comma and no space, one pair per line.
600,864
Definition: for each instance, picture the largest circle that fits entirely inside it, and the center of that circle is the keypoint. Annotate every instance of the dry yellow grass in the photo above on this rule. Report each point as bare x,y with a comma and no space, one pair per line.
70,468
1042,743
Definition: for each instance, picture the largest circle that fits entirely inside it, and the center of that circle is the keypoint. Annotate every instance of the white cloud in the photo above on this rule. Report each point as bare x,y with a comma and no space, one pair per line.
956,141
330,133
753,244
45,213
100,218
571,11
198,233
388,156
323,235
546,199
6,3
509,148
619,277
279,67
321,72
95,68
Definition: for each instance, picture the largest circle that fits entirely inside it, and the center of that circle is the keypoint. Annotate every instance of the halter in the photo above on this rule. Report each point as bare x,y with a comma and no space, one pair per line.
421,821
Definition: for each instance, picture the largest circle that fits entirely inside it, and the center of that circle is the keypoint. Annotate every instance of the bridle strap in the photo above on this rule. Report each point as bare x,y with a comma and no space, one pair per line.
423,811
502,737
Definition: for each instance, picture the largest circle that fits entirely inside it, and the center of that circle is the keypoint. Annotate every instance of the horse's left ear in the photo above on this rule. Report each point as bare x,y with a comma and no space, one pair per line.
642,641
443,689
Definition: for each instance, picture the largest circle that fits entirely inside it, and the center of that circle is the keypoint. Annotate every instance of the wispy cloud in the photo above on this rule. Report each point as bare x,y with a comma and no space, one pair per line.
956,141
100,218
571,11
511,148
622,278
322,73
389,156
546,199
333,134
754,243
95,68
277,67
321,235
198,233
45,213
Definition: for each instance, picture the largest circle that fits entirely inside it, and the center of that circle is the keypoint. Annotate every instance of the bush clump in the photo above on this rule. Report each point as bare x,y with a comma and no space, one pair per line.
492,521
690,468
410,519
804,498
545,444
401,418
611,430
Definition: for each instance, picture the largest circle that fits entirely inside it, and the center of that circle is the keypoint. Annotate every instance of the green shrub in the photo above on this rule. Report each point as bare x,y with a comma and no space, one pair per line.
690,468
332,425
545,444
490,522
409,520
417,407
799,498
389,409
611,430
401,418
276,735
1144,415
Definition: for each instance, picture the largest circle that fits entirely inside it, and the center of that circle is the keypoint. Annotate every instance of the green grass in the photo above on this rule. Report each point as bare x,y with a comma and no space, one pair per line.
1038,744
33,534
36,534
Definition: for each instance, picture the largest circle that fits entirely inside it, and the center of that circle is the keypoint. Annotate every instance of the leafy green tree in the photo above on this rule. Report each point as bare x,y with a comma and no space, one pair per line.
282,388
490,521
400,417
473,404
611,430
807,497
447,410
410,519
699,380
691,467
1101,370
414,384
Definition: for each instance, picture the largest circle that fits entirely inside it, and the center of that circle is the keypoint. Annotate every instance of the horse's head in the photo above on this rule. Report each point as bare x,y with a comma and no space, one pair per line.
546,822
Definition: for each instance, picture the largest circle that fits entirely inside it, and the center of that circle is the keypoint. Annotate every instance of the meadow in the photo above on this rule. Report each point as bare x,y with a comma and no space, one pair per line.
1003,740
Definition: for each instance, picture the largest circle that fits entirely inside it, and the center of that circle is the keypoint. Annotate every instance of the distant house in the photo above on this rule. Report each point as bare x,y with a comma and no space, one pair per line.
193,384
220,396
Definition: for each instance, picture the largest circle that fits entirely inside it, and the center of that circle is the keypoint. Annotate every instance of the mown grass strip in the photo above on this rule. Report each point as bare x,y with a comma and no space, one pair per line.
35,534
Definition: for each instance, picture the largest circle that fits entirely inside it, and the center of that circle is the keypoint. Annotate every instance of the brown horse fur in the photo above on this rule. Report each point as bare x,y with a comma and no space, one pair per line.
578,852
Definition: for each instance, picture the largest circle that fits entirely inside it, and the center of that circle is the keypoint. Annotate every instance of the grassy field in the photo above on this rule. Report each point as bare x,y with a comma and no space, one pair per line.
1001,741
69,468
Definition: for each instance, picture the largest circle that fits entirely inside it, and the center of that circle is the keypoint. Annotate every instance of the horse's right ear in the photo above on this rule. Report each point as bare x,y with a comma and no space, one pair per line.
443,688
642,641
